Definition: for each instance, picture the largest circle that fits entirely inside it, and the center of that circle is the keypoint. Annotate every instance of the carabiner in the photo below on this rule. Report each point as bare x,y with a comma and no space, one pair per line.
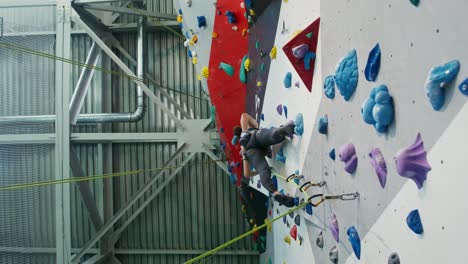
305,186
349,196
294,176
322,199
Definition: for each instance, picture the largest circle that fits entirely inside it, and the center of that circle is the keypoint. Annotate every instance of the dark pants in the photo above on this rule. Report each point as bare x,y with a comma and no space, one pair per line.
257,147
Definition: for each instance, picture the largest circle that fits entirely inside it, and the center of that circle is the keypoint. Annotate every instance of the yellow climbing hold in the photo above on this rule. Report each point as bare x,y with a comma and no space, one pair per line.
205,72
297,32
199,77
251,221
214,35
273,53
194,38
252,12
194,60
255,226
247,65
179,19
269,226
285,1
287,239
244,32
243,208
259,84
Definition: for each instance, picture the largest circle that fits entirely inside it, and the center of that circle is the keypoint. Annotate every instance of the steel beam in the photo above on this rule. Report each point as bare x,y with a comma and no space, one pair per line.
214,157
148,200
129,11
31,250
92,138
152,27
85,191
62,129
128,205
27,139
125,68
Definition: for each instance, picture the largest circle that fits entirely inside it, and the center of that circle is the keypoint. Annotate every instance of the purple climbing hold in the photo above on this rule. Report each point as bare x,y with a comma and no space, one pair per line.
300,51
285,110
373,64
334,228
414,222
349,157
279,109
412,162
259,184
378,162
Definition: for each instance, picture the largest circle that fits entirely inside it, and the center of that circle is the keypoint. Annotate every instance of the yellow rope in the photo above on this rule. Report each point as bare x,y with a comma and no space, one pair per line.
88,178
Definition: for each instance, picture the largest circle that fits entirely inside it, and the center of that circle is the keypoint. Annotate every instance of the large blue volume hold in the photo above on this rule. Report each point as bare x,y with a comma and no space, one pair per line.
378,109
373,64
438,80
329,87
346,75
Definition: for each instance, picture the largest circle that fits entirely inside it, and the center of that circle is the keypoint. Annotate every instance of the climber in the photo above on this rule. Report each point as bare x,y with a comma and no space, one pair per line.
255,145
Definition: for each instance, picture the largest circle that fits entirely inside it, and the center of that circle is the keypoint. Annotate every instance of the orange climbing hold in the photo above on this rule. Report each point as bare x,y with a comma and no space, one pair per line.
244,32
214,35
194,38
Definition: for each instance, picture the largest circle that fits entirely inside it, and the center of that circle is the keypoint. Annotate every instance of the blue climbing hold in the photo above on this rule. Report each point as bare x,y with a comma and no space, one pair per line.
233,178
307,58
262,117
296,201
280,156
414,222
231,17
237,164
275,182
180,11
308,209
297,219
378,109
189,53
234,140
373,64
332,154
323,125
287,80
222,145
297,172
299,125
355,241
221,130
187,35
439,78
296,181
285,110
329,87
346,75
463,87
284,219
201,21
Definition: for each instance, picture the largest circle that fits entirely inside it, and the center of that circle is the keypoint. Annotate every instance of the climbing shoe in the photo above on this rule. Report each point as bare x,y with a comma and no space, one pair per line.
283,199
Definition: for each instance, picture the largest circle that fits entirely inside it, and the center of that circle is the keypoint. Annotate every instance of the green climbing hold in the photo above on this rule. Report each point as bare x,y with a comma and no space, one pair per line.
309,35
257,45
227,68
213,113
262,67
415,2
242,71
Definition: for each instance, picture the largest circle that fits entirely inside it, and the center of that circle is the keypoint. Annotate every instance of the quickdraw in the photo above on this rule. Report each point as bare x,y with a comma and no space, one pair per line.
309,184
294,176
317,199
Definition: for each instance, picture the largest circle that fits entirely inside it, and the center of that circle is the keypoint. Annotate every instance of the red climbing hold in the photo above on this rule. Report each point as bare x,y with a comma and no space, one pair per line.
293,232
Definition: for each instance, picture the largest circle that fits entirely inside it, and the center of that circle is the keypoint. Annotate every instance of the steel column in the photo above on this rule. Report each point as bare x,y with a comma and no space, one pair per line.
62,129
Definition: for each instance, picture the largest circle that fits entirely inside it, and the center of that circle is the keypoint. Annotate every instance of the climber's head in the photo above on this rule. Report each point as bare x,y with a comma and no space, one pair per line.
237,130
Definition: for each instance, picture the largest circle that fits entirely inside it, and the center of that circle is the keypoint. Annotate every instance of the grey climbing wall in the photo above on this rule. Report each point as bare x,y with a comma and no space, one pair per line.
412,39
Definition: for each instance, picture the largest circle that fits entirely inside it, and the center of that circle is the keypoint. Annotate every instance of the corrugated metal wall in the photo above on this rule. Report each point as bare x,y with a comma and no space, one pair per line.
198,210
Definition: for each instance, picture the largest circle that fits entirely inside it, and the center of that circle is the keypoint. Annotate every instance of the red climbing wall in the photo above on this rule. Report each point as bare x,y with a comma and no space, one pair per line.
228,93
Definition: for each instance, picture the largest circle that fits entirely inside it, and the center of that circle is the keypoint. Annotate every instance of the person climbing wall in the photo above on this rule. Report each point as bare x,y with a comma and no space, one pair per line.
255,146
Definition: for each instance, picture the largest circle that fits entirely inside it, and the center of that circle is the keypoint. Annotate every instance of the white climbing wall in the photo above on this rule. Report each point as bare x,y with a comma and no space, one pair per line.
412,40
